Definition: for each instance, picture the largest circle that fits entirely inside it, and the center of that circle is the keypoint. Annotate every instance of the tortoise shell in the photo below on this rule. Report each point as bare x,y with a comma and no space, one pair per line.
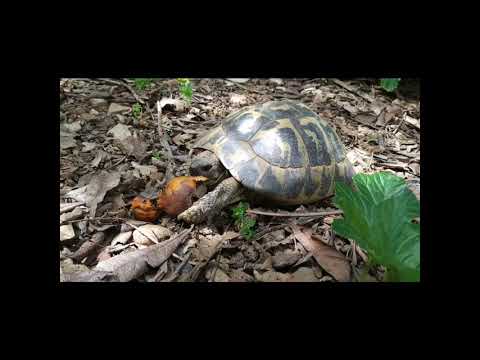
281,150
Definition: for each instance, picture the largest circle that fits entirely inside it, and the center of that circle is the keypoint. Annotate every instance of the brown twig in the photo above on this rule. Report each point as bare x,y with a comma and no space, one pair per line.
401,123
322,213
403,153
154,240
245,88
163,141
165,144
94,218
179,268
264,232
89,246
118,162
199,267
114,82
67,207
353,91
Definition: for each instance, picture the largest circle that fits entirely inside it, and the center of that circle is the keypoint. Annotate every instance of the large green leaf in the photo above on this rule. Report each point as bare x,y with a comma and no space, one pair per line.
389,84
378,216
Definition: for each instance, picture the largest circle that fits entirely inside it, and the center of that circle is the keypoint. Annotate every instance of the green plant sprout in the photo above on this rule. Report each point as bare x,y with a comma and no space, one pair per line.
389,84
141,84
243,222
185,89
156,155
137,111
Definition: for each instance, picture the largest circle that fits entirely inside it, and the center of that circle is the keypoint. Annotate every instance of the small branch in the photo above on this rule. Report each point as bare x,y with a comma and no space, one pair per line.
89,246
353,91
126,86
118,162
245,88
165,145
70,206
264,232
152,239
94,218
179,268
401,123
163,141
322,213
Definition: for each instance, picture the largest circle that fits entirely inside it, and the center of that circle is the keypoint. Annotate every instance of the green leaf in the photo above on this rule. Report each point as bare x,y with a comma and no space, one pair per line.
240,211
389,84
137,110
141,84
244,223
185,89
378,216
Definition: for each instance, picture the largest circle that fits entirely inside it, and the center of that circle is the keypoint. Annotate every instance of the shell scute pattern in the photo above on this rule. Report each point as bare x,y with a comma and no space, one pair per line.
282,150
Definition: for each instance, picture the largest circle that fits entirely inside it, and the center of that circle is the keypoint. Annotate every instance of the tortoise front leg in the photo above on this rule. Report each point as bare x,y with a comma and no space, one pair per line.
226,193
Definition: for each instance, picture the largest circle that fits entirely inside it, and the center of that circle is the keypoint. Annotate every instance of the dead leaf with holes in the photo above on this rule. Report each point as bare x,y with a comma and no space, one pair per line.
331,260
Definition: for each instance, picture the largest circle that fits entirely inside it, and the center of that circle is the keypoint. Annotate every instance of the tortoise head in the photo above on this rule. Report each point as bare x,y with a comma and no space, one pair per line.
207,164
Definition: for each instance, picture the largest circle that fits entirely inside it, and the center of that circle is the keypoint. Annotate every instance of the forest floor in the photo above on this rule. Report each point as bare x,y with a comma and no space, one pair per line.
113,147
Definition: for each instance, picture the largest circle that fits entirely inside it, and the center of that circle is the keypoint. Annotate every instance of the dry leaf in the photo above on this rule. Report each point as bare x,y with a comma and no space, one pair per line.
131,265
412,121
365,118
122,238
271,276
117,108
207,245
70,129
240,81
220,275
285,258
181,139
237,275
303,274
120,132
88,146
275,81
327,257
143,170
77,213
134,145
177,104
89,246
99,185
67,142
69,269
150,234
117,202
66,232
177,195
101,155
65,207
237,99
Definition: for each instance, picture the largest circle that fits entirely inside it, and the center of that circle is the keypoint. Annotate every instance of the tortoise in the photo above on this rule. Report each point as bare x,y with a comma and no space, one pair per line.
279,152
